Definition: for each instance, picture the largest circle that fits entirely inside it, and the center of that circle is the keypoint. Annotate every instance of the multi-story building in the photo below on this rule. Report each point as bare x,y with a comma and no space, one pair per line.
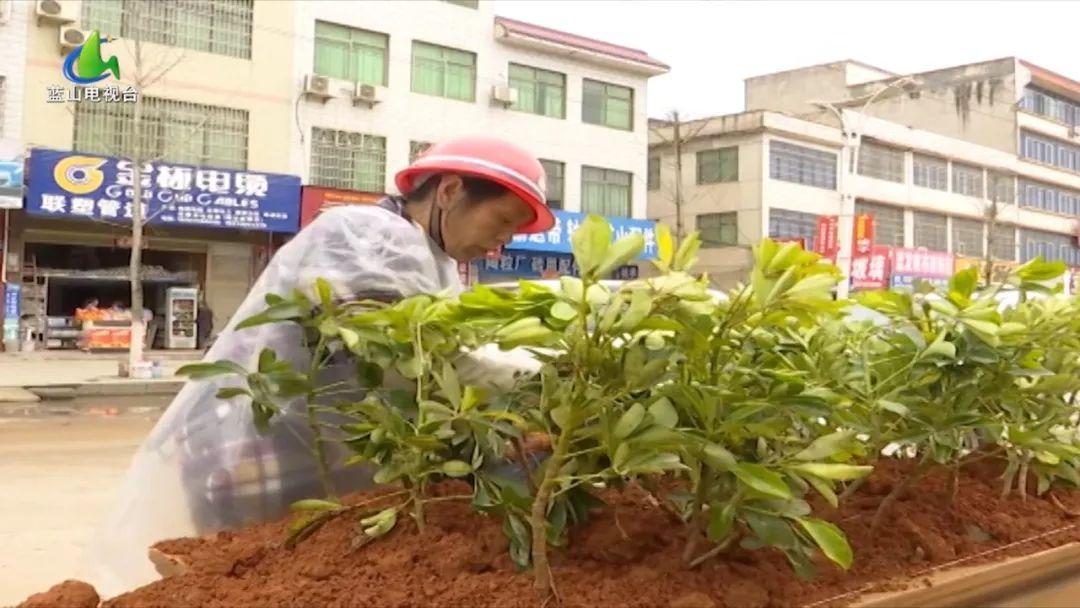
961,160
13,24
214,80
381,84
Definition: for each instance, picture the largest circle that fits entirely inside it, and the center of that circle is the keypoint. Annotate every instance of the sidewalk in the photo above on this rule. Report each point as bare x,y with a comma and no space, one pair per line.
67,374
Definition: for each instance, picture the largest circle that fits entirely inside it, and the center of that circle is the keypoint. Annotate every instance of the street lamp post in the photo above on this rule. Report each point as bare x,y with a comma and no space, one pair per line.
849,163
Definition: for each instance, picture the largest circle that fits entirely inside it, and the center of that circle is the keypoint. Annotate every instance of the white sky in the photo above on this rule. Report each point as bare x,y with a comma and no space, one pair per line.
712,46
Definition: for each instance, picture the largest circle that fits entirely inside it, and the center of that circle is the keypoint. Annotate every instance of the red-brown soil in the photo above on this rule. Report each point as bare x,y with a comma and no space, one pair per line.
629,555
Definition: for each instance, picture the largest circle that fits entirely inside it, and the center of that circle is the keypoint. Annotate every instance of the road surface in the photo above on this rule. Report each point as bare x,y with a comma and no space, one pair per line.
58,474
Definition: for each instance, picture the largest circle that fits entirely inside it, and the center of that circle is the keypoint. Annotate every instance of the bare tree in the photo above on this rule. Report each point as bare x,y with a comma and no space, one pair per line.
678,137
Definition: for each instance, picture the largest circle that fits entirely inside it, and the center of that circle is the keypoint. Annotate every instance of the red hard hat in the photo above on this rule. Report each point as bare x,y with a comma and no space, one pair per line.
492,159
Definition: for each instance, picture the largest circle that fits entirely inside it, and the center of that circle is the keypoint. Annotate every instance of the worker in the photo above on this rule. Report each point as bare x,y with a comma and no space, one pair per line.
204,466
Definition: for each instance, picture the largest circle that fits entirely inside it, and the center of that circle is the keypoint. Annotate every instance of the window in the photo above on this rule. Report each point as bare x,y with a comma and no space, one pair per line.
605,192
718,229
1052,247
443,72
931,231
416,148
352,161
350,54
464,3
1048,198
1060,154
175,131
930,172
881,162
800,165
967,237
888,223
967,180
654,173
556,182
1002,188
784,224
1003,242
1050,106
539,91
714,166
608,105
222,27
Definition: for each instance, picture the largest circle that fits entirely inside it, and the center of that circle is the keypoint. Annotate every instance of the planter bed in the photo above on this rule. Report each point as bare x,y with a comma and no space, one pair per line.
628,555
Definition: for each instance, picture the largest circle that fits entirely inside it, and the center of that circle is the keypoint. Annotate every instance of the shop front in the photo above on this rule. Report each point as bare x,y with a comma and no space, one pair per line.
316,199
207,234
883,267
12,165
548,255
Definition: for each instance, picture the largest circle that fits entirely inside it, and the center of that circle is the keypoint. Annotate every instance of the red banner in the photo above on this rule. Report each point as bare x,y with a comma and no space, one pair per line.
863,234
826,242
871,270
314,199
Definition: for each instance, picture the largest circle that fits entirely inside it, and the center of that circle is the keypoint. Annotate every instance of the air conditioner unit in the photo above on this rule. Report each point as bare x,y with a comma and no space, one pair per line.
72,37
367,94
58,12
317,86
504,94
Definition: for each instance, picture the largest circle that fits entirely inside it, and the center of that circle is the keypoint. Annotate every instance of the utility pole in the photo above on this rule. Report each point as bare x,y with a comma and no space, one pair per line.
849,165
677,142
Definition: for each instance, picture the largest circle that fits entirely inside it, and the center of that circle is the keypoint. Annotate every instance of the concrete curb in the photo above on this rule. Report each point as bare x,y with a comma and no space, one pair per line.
105,389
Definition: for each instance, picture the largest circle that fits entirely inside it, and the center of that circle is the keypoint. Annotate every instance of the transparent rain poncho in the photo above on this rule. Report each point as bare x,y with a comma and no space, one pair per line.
204,467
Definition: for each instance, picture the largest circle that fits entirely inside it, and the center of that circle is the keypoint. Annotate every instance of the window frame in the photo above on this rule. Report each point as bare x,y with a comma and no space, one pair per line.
445,52
728,153
934,172
607,183
347,160
725,221
351,55
558,203
540,97
804,165
605,97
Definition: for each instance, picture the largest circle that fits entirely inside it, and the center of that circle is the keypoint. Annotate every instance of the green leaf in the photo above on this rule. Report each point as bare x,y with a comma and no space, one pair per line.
201,371
721,522
267,358
762,479
839,472
563,311
350,337
624,250
832,541
640,306
315,504
783,258
663,413
815,286
369,375
772,530
629,421
326,293
648,464
825,489
451,387
590,243
665,245
379,524
719,458
572,288
897,408
230,392
473,396
686,256
455,468
285,311
826,446
964,282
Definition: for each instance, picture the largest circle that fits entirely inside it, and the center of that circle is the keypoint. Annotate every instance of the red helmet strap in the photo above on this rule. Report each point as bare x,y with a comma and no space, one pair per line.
435,224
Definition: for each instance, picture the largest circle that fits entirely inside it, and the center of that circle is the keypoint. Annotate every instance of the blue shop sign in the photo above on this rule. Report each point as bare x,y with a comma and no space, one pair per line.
557,240
12,300
527,265
73,185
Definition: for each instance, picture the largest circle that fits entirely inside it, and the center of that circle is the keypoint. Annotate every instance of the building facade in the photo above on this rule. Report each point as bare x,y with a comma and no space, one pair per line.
214,85
958,161
376,87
